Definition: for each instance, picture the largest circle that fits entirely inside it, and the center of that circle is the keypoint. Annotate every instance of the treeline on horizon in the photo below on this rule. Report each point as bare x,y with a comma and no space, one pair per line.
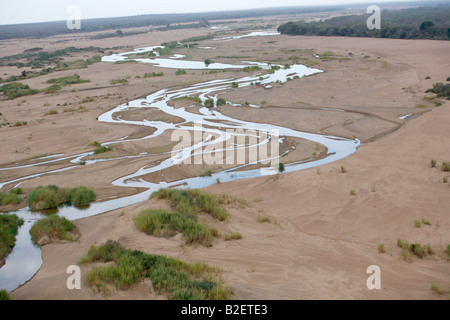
167,21
413,23
45,29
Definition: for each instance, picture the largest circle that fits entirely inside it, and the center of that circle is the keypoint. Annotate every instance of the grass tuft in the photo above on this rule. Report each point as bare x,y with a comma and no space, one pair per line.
50,197
164,223
52,227
9,225
177,279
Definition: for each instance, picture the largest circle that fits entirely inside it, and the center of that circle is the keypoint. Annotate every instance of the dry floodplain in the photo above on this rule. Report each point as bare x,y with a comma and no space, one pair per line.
307,234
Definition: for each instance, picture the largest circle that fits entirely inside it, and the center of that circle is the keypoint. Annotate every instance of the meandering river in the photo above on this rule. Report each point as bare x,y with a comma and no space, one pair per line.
25,260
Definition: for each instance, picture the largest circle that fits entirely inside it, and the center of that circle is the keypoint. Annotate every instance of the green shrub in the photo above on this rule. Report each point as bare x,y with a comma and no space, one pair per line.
178,279
52,227
16,191
42,198
180,72
10,197
50,197
4,295
209,103
195,99
445,166
414,248
118,81
153,74
52,89
433,163
441,90
437,289
82,196
16,89
189,202
102,149
417,224
221,102
235,85
163,223
9,225
210,205
68,80
381,248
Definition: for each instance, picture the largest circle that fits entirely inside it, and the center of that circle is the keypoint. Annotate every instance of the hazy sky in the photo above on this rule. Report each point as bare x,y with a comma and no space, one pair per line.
24,11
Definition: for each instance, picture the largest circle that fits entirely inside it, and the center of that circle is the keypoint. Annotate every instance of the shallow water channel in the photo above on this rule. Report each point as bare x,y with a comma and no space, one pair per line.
25,260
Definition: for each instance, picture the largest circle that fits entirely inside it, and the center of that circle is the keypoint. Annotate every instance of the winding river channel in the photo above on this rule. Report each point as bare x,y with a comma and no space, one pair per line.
26,259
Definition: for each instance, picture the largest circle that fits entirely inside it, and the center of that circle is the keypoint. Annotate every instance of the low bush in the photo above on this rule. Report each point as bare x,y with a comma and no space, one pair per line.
414,248
102,149
233,236
9,225
7,198
180,72
16,89
164,223
68,80
50,197
209,103
118,81
4,295
53,227
177,279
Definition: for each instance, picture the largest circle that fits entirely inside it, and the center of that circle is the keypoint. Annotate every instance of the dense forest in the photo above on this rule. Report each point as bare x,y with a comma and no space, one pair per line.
414,23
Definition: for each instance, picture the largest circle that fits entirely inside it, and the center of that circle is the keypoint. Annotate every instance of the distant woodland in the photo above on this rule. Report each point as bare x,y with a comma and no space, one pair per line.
164,21
172,21
414,23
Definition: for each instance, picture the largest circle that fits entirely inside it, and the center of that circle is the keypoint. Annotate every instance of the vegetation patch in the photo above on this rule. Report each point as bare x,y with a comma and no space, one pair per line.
189,202
9,225
164,223
180,72
153,74
4,295
410,23
415,248
16,89
176,279
264,219
50,197
11,197
441,90
68,80
51,228
195,99
118,81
